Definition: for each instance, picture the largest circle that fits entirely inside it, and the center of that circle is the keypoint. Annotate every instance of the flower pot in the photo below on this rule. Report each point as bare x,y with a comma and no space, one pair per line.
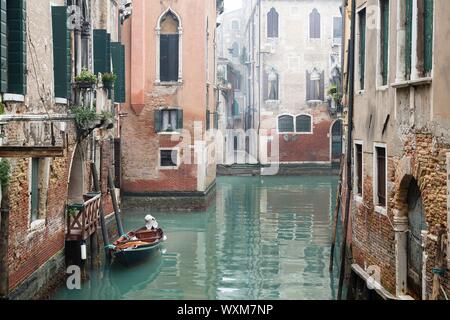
108,85
85,85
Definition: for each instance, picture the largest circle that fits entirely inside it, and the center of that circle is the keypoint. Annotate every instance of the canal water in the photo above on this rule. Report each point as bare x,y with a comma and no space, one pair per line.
262,238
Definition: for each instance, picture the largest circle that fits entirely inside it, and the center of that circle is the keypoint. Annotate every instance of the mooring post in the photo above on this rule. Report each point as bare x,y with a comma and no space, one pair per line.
101,212
4,234
112,191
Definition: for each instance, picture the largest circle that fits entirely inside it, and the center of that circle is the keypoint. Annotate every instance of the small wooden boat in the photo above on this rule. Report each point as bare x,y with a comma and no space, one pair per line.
137,245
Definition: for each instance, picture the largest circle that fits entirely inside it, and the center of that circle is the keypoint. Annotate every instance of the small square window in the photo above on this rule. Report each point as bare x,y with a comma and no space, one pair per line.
169,158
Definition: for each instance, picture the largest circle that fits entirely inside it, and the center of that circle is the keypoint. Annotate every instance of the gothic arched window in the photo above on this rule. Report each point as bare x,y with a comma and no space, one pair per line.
169,37
314,24
272,23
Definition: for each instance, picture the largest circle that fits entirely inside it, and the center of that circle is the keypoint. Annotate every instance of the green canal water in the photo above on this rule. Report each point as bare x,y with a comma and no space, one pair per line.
262,238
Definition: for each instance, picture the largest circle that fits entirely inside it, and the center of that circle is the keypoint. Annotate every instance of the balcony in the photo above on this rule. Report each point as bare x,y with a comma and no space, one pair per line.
83,218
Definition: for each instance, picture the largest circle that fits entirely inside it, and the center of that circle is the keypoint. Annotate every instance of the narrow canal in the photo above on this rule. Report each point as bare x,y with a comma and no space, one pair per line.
263,238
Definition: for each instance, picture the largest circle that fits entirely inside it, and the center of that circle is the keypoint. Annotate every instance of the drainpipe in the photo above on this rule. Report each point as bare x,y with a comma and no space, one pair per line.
4,235
351,74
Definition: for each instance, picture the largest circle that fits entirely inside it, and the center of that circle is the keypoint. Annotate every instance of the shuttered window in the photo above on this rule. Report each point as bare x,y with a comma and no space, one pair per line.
303,124
169,60
118,61
61,52
208,119
381,179
408,37
314,24
3,47
272,23
384,9
17,51
168,120
359,168
362,48
428,35
102,51
286,124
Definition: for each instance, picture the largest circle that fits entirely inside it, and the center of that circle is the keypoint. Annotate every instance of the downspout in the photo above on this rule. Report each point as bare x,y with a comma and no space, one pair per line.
351,75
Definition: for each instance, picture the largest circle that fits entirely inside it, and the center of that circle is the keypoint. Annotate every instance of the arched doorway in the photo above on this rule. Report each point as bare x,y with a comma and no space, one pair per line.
336,142
76,180
414,249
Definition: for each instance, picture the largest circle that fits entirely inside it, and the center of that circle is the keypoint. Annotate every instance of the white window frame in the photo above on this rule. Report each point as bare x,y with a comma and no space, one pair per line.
39,223
278,122
379,209
358,197
379,80
180,48
312,124
160,167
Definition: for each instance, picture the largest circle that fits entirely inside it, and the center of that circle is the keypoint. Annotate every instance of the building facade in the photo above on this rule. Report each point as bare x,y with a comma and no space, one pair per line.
401,149
294,72
170,103
58,121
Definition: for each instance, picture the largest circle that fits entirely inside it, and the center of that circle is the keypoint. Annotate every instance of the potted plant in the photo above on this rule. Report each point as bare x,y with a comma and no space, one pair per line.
108,80
86,79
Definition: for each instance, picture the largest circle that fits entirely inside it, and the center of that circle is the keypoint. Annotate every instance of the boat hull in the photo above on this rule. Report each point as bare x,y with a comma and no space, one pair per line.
135,256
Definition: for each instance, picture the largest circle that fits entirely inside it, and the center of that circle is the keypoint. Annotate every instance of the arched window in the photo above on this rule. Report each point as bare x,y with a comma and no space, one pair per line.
285,124
169,32
314,24
236,108
272,23
303,124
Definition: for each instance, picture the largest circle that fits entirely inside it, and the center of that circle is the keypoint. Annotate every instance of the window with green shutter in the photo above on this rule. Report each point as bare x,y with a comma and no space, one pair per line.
17,52
61,52
428,35
362,48
118,61
3,47
101,51
384,10
408,37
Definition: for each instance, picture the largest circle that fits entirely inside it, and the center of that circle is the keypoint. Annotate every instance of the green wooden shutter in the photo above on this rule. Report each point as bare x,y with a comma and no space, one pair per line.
385,40
17,48
100,51
3,48
158,120
61,52
108,53
362,49
118,61
180,120
408,38
428,35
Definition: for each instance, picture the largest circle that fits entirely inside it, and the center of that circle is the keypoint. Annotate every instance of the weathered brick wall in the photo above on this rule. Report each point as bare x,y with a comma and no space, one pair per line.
373,233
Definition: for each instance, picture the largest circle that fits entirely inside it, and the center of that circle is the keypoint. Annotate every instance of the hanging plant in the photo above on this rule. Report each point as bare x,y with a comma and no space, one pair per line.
86,79
85,118
108,80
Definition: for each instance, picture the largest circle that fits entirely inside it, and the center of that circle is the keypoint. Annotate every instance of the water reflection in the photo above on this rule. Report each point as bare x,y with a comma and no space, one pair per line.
264,238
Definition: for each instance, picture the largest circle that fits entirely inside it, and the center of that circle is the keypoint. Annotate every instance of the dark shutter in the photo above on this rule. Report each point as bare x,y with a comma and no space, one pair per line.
158,121
216,120
428,35
314,24
180,119
322,86
286,124
408,37
303,124
17,49
272,24
208,119
362,48
117,163
308,86
100,51
381,163
169,57
359,162
61,52
384,40
108,53
3,48
118,61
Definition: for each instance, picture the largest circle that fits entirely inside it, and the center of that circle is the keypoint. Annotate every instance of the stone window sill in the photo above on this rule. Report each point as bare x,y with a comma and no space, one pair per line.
413,83
381,210
169,83
61,101
174,133
11,97
382,88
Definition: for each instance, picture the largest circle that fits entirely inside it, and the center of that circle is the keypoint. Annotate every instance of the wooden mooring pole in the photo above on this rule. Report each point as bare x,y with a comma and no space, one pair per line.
101,212
112,191
336,215
4,235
